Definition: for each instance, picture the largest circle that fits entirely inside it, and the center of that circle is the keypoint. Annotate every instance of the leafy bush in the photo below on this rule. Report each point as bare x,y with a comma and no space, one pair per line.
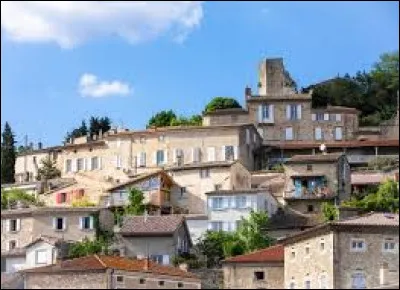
88,247
10,198
329,211
278,168
83,202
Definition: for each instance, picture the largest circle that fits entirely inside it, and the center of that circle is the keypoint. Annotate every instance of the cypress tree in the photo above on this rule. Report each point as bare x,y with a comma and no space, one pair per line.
8,155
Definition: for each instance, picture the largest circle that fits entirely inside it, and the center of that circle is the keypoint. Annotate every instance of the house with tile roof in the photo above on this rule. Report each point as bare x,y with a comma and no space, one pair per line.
262,269
109,272
357,252
158,237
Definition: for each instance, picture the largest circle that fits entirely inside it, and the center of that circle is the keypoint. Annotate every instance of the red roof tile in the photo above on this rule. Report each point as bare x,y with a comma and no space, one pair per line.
274,254
95,263
151,225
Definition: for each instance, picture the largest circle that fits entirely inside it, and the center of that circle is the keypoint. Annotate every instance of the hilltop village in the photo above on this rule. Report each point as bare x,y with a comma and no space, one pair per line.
278,156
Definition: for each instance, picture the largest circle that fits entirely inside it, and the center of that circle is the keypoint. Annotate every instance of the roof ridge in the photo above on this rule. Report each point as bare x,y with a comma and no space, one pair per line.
256,251
101,262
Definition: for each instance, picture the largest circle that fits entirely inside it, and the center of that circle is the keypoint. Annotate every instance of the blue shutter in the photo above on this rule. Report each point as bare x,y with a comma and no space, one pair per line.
297,184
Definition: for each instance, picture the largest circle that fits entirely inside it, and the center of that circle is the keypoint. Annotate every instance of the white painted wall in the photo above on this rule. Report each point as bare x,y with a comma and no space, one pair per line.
14,264
197,227
50,252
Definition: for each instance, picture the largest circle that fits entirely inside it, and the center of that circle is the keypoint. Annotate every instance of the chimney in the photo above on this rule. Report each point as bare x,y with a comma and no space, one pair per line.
101,134
247,93
40,145
146,264
183,267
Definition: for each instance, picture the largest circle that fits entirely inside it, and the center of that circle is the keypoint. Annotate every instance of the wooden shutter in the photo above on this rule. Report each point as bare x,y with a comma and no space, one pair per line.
288,112
65,165
313,117
223,156
235,152
74,165
54,223
99,160
155,157
18,224
91,221
64,223
174,156
211,153
298,108
260,114
165,161
271,113
326,117
81,223
338,117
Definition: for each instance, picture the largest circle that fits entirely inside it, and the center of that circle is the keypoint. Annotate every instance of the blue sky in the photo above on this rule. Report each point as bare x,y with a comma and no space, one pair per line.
134,61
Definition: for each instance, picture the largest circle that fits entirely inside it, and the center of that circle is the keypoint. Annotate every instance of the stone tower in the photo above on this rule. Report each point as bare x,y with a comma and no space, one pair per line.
274,80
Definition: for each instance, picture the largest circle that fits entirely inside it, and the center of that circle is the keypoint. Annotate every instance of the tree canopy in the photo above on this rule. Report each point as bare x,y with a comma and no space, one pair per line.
136,204
95,125
373,93
221,103
8,155
169,118
386,199
10,198
48,170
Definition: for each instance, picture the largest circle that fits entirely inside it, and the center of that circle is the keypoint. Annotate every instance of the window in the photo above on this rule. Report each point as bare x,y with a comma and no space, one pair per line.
180,285
307,250
318,133
259,275
310,208
157,258
12,245
160,283
167,196
358,281
63,197
142,281
204,173
293,112
323,283
357,245
86,223
229,153
338,133
120,279
142,140
338,117
183,191
389,245
13,225
118,161
319,116
41,257
309,167
68,165
142,159
293,254
264,113
217,203
248,140
292,285
196,154
58,223
161,138
211,153
241,201
307,284
80,164
160,157
322,245
289,133
217,226
95,163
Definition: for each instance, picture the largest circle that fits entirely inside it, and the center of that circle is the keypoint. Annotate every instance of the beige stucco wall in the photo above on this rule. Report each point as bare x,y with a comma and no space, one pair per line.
23,236
314,264
241,276
30,164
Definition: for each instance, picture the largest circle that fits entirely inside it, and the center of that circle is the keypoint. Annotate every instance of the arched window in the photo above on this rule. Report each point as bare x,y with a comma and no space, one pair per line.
358,281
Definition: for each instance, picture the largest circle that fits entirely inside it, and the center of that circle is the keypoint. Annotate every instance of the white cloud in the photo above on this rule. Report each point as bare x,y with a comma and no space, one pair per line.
90,86
70,23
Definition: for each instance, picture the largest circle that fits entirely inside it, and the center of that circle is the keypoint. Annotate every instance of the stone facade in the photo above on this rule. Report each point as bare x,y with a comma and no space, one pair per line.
242,276
67,280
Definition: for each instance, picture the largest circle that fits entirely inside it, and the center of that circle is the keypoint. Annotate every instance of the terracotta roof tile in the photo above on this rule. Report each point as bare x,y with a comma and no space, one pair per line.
101,262
367,178
337,144
372,219
151,225
272,254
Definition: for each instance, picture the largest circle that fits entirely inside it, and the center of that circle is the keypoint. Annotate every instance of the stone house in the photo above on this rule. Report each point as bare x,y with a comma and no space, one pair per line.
109,272
226,208
313,179
358,252
158,237
21,227
262,269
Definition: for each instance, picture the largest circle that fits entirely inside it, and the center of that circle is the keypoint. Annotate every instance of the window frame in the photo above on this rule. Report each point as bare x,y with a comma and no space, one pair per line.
262,274
80,161
357,241
389,241
36,257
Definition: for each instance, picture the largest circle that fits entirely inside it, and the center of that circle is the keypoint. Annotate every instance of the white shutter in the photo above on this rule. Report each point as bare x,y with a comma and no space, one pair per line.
91,223
165,156
7,226
209,203
271,113
54,223
289,133
174,156
318,133
74,165
65,165
247,136
144,159
313,117
248,202
338,117
288,112
298,108
18,224
90,163
233,202
326,117
235,152
225,202
99,160
211,153
138,160
209,226
223,157
260,114
225,226
165,260
193,153
338,133
64,223
80,223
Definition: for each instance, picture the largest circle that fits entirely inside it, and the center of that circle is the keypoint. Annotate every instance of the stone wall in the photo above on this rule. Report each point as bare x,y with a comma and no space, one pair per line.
210,278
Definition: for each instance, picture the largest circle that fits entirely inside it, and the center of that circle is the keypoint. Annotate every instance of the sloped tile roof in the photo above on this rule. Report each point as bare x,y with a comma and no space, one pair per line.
151,225
367,178
372,219
101,262
268,255
332,157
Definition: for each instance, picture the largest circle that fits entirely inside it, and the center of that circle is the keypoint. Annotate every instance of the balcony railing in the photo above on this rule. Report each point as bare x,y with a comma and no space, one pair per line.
366,158
305,193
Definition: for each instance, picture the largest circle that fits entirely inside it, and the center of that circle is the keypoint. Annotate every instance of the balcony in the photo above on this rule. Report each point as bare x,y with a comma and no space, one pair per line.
321,192
362,159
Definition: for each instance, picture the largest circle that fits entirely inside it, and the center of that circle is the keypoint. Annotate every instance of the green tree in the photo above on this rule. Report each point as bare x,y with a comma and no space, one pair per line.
88,247
221,103
386,199
8,155
136,205
10,198
162,119
48,170
95,125
329,211
386,70
211,245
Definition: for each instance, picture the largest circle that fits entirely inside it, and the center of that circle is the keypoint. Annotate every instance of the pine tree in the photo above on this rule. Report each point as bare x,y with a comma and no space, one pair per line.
7,155
48,169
